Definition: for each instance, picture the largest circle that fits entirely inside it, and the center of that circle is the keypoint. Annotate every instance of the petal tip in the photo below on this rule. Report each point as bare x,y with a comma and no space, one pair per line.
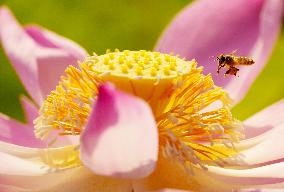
5,13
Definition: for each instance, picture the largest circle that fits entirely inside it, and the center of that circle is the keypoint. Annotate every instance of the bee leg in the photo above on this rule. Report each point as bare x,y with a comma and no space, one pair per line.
229,71
220,66
236,71
218,70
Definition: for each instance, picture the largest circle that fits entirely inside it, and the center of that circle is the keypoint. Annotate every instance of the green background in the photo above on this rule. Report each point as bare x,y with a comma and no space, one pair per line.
124,24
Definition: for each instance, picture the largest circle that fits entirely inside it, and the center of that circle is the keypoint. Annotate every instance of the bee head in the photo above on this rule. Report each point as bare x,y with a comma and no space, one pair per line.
221,59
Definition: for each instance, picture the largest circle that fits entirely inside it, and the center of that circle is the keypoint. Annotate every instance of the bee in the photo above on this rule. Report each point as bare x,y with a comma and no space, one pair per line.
231,61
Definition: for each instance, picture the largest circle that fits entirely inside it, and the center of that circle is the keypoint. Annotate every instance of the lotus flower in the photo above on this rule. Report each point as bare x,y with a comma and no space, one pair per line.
159,124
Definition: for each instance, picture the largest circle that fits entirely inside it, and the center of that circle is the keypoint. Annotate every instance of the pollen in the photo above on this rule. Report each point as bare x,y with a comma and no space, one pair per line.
193,115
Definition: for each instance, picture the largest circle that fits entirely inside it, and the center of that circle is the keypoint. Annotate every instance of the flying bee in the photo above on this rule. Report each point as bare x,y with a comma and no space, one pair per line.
231,61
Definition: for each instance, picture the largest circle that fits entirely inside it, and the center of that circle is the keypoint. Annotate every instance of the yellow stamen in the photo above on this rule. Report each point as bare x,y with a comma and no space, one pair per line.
179,95
189,134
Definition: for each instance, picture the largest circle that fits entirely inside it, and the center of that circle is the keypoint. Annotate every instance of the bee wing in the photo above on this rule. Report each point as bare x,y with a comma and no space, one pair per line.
234,52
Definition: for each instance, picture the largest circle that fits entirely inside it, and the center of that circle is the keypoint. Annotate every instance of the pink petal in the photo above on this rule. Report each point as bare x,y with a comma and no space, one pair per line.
208,28
270,26
261,190
30,110
265,120
70,180
14,132
121,136
49,74
262,164
268,151
269,174
22,168
8,188
50,39
51,64
17,133
19,166
34,50
170,190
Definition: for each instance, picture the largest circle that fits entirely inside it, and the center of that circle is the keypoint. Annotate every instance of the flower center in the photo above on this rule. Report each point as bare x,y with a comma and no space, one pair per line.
148,75
144,74
191,128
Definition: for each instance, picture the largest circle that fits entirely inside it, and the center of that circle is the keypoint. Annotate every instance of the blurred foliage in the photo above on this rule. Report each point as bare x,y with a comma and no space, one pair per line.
124,24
